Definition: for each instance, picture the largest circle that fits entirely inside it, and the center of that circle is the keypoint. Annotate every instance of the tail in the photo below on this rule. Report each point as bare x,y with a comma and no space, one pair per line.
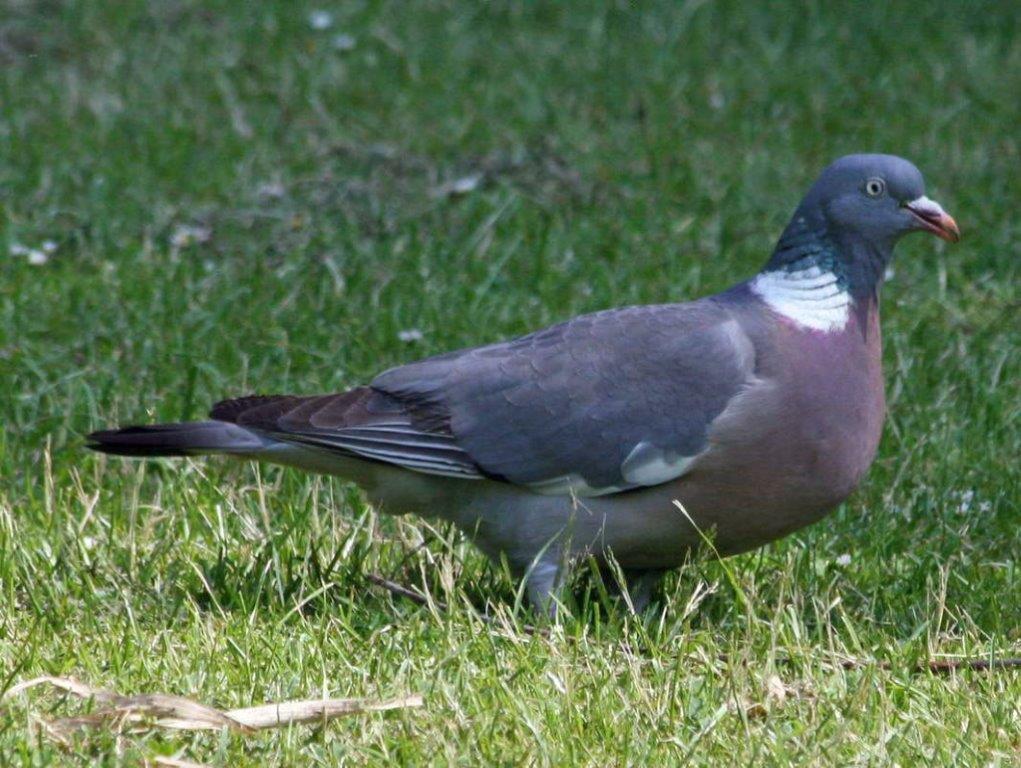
187,438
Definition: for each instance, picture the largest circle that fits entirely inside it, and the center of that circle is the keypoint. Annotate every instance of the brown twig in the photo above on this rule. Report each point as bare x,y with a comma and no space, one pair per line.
942,666
417,597
400,589
934,666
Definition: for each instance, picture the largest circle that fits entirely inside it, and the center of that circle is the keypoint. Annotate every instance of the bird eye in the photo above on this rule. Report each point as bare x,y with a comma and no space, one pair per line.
875,187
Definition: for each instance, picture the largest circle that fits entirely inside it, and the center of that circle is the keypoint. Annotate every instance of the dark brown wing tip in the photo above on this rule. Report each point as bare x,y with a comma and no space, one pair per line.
230,410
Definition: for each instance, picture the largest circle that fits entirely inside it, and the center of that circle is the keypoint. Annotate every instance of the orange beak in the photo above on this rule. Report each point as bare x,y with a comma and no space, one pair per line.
932,218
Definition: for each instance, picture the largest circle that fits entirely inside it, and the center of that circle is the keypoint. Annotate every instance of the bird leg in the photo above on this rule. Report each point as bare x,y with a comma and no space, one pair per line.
543,582
641,585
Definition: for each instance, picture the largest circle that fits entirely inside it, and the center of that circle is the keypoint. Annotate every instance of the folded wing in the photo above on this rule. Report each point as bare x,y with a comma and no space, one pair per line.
604,403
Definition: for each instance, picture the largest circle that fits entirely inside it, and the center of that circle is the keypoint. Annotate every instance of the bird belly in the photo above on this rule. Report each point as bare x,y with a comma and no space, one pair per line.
729,498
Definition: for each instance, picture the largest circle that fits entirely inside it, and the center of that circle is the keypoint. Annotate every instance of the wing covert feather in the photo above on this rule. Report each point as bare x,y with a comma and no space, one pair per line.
571,406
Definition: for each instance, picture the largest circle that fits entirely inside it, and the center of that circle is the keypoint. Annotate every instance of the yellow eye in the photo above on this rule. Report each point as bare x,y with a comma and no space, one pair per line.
875,187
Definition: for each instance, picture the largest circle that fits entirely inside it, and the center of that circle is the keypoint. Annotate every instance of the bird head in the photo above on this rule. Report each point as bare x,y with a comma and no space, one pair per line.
854,214
878,199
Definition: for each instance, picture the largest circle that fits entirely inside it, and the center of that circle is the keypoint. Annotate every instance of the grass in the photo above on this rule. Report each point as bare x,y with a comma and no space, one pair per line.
622,157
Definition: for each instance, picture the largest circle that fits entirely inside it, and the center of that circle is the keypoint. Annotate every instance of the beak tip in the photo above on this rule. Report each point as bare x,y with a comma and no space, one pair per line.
931,216
949,228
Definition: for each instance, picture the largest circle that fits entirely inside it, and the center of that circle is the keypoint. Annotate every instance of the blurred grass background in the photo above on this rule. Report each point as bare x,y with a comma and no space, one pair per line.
206,199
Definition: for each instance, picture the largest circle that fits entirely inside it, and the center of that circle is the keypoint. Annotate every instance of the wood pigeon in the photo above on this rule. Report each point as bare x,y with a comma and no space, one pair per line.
757,410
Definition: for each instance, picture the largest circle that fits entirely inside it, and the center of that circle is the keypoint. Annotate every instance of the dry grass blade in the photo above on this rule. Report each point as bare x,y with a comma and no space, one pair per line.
173,762
68,684
179,713
153,707
315,710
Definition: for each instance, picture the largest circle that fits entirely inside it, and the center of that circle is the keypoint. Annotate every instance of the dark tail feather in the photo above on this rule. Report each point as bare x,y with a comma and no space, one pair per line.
184,439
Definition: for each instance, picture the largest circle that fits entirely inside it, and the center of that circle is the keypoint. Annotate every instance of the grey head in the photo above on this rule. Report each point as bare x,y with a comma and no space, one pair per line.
854,214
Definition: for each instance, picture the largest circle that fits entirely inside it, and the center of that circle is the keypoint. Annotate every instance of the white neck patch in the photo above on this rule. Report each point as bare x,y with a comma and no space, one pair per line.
810,297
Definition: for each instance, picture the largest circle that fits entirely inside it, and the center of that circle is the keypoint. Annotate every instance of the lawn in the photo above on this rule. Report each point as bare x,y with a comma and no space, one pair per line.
200,200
